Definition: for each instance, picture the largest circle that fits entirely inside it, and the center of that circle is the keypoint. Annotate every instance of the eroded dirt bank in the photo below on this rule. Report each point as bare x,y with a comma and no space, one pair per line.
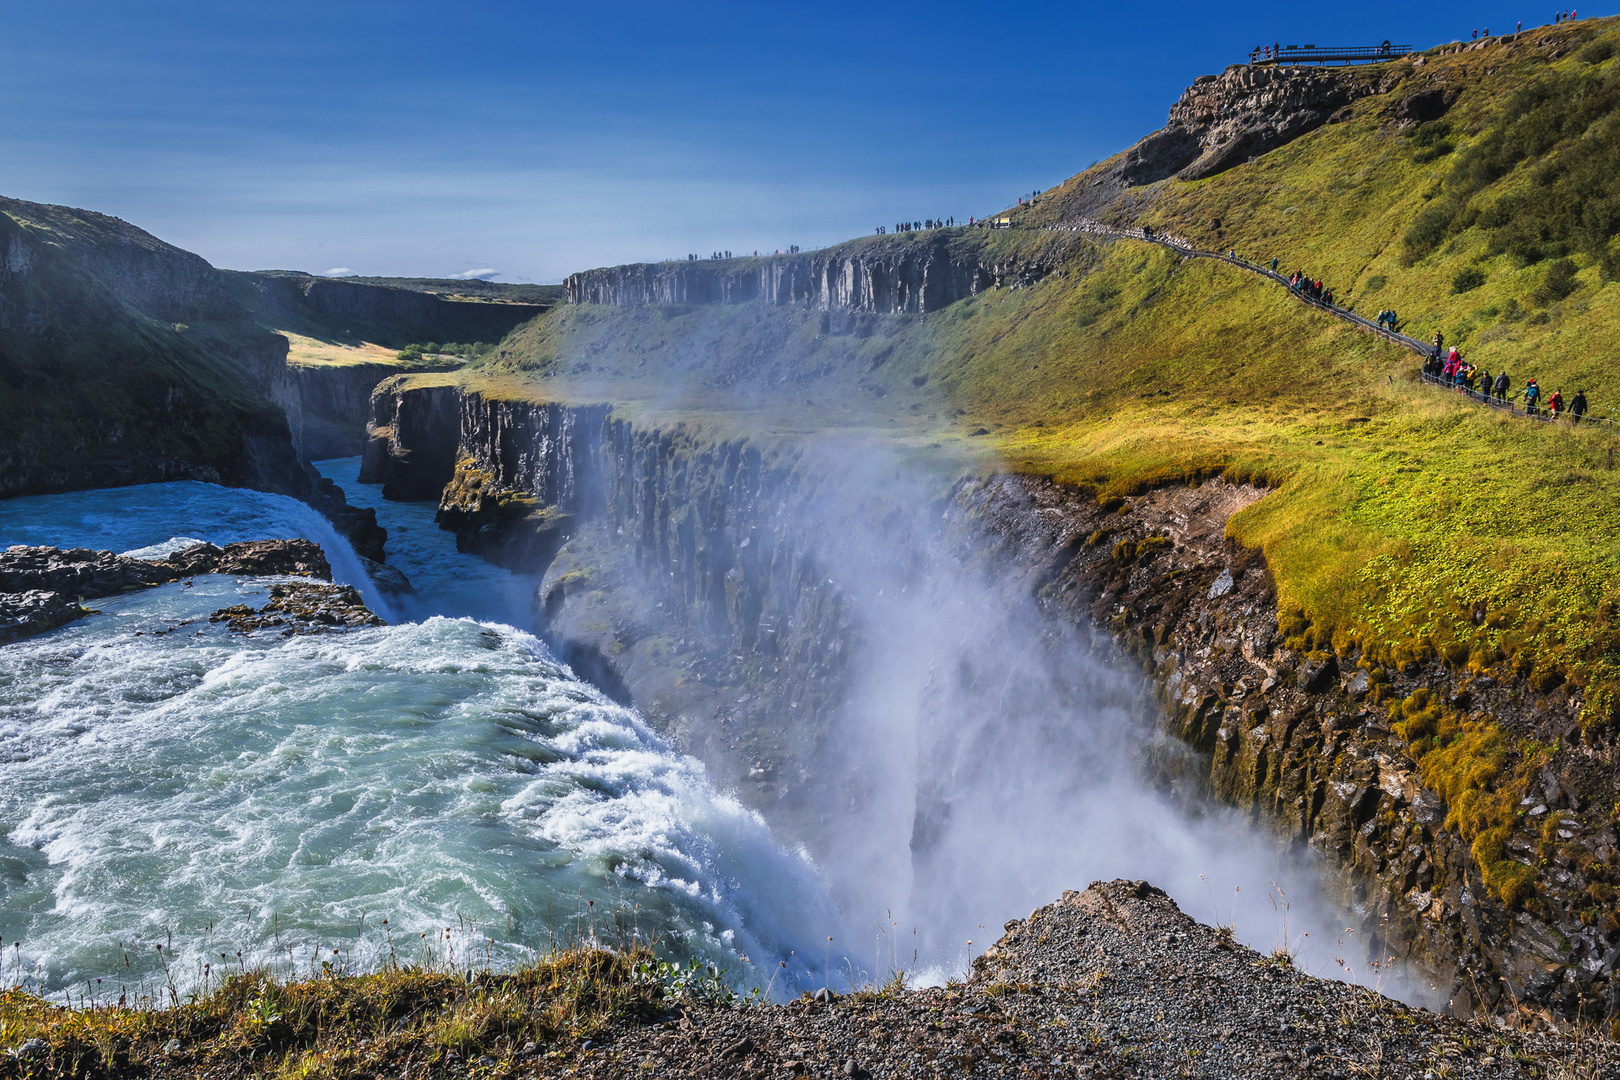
689,576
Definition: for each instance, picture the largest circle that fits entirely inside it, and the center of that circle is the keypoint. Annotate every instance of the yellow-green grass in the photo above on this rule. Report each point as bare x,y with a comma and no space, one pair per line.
306,351
336,1025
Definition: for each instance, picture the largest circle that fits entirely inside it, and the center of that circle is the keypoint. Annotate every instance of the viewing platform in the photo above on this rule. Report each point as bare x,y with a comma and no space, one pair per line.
1292,55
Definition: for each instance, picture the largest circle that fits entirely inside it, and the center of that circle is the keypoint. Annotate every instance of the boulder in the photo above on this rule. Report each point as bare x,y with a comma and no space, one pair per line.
24,614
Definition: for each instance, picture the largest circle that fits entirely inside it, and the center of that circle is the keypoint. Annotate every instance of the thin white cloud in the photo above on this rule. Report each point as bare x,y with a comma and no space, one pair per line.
486,274
341,271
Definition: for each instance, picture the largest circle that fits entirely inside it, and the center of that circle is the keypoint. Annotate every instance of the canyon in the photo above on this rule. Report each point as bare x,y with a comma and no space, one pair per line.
729,476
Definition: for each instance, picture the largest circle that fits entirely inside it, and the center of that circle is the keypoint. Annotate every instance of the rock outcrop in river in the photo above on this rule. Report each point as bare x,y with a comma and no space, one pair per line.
42,588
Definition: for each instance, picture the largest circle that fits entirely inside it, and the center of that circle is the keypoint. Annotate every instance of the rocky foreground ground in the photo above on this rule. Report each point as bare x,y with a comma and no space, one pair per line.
1114,981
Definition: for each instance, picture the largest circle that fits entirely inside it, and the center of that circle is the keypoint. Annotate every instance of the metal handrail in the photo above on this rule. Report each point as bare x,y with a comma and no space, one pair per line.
1184,248
1328,54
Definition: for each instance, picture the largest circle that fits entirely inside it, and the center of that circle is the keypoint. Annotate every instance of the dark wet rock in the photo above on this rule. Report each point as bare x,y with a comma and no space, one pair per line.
25,614
297,608
1316,673
357,524
77,572
41,587
33,1049
295,558
389,580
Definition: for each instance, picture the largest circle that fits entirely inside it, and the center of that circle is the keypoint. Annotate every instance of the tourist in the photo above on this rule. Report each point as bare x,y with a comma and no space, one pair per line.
1502,384
1532,393
1484,384
1577,407
1555,404
1273,262
1394,319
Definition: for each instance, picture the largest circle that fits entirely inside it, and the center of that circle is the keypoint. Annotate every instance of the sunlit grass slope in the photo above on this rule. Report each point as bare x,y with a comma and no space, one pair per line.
336,1024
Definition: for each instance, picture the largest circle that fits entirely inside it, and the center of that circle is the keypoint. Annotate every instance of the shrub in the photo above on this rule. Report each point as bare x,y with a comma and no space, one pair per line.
1558,123
1431,143
1596,52
1428,229
1557,283
1468,279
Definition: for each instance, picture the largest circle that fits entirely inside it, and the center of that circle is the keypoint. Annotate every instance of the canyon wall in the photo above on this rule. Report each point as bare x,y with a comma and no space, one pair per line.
329,406
390,316
910,272
681,574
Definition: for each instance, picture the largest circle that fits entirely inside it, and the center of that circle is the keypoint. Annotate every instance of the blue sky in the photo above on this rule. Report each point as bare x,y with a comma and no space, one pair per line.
535,139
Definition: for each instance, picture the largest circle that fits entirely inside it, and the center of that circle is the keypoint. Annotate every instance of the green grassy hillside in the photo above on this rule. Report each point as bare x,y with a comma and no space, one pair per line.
120,361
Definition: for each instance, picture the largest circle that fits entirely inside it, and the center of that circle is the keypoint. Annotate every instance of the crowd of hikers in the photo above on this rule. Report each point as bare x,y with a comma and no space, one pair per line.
1450,369
791,249
1301,283
913,226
